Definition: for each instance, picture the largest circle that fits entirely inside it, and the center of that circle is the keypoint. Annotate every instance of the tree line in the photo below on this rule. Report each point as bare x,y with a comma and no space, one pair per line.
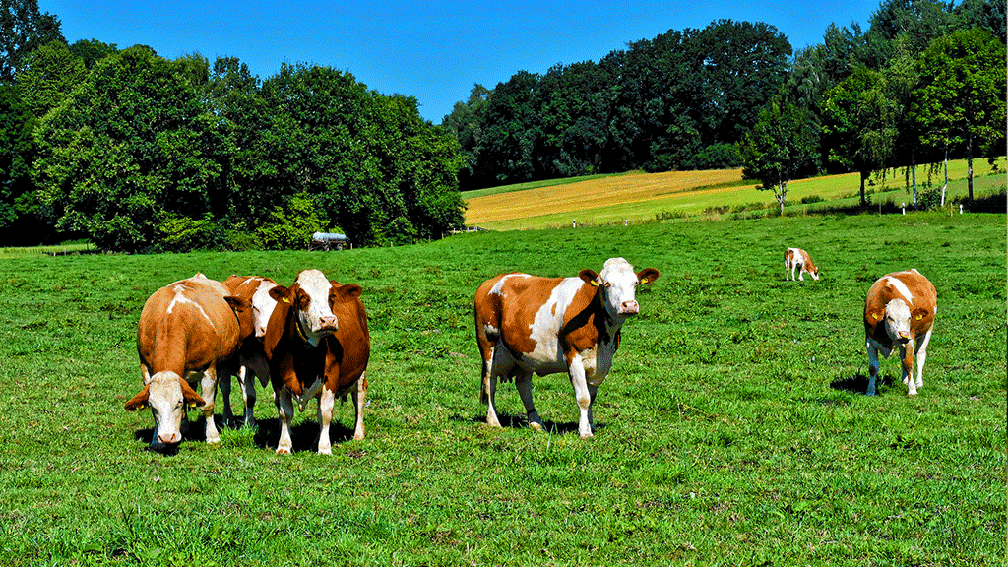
140,153
925,80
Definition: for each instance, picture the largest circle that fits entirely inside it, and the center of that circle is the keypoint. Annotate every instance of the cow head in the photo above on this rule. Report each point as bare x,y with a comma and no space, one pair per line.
243,311
309,297
262,308
167,395
897,321
814,272
617,285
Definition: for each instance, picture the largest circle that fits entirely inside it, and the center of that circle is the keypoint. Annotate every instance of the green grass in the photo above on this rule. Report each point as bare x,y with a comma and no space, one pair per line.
732,429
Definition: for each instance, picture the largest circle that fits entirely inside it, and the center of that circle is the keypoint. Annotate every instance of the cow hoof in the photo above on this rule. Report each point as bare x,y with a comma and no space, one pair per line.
326,451
536,425
213,441
493,422
283,451
587,435
358,436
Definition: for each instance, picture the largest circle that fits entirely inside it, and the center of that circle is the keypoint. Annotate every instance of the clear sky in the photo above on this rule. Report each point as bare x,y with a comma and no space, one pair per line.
434,50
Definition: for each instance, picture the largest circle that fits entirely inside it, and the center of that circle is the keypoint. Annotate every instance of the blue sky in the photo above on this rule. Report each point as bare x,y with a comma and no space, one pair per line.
435,50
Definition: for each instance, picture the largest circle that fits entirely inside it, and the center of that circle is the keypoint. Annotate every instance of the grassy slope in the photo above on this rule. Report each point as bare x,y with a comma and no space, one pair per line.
543,206
732,429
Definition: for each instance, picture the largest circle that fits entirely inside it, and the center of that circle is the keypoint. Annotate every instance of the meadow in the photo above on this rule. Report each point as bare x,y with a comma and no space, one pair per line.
638,196
732,430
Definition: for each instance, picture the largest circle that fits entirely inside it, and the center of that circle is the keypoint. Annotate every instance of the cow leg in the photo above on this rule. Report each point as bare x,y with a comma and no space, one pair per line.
921,355
499,366
907,356
873,368
285,407
208,392
593,391
326,403
246,377
524,384
359,394
801,270
225,389
582,395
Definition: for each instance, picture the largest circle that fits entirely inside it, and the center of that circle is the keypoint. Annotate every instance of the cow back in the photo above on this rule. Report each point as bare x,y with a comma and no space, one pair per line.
923,303
187,325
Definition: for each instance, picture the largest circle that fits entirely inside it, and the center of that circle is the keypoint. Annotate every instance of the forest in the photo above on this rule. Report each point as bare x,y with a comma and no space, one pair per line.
139,153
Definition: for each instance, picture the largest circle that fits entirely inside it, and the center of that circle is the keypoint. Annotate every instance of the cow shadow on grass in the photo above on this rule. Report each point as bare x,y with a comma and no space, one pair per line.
858,384
519,421
304,435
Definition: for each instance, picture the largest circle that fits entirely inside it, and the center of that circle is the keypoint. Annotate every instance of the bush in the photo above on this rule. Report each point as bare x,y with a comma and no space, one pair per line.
183,234
811,199
291,225
928,199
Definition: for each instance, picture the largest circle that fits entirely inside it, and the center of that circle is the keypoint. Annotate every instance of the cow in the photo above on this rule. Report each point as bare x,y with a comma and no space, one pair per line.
899,310
189,331
527,324
318,344
798,258
252,357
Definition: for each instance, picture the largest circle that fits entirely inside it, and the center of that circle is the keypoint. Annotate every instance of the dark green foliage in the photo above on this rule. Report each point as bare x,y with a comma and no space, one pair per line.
22,29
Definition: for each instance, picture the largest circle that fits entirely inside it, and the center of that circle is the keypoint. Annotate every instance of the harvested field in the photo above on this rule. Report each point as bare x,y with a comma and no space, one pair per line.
596,194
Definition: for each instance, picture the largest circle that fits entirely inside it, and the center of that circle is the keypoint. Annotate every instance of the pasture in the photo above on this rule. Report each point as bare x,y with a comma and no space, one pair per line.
732,430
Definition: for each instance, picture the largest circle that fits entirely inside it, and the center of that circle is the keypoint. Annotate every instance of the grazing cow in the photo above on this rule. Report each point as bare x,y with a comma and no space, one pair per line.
318,345
899,310
527,324
798,258
252,357
188,332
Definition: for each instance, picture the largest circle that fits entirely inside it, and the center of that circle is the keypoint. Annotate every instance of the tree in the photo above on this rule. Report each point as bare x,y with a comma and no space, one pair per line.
859,125
783,145
960,100
48,75
22,30
90,51
22,220
131,147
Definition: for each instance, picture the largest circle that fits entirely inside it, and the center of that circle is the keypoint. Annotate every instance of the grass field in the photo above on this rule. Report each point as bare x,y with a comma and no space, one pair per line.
639,196
732,430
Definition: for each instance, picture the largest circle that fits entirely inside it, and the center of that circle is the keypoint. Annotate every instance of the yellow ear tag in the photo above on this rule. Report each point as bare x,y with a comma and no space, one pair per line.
594,283
874,316
919,317
645,280
286,300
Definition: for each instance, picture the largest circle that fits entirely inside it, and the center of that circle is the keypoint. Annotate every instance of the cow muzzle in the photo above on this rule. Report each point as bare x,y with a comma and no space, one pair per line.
630,307
328,324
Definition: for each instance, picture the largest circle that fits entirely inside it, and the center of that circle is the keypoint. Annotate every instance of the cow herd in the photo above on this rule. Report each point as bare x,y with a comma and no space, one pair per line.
310,340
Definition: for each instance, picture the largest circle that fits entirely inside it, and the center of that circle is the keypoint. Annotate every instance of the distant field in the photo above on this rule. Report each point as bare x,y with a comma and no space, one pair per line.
638,196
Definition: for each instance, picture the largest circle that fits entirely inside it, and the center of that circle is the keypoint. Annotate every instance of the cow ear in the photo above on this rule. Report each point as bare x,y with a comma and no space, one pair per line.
190,395
237,304
648,275
139,401
281,293
920,313
589,276
350,290
875,315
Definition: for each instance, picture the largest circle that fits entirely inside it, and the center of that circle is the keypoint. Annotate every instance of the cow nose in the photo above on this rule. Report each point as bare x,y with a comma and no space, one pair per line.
169,438
904,337
631,307
328,323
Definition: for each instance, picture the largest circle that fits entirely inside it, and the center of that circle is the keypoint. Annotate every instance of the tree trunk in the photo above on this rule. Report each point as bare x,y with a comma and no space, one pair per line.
944,187
913,169
782,196
863,177
969,160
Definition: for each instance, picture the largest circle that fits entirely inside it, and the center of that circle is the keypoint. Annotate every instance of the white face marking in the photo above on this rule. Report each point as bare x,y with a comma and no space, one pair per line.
167,404
901,288
897,319
262,307
318,320
618,287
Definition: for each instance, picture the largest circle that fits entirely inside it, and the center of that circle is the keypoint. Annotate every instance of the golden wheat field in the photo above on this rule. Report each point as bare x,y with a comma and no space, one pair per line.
592,194
638,196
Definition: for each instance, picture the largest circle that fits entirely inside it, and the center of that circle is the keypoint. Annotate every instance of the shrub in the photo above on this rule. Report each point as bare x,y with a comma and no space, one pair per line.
718,156
291,225
811,199
183,234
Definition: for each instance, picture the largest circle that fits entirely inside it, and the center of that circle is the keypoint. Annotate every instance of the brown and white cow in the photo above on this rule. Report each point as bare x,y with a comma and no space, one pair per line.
899,310
800,259
252,356
318,345
188,332
527,324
